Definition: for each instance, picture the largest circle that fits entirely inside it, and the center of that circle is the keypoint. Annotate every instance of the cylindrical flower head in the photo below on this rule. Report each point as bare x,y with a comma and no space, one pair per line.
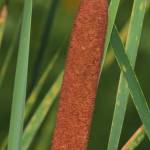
81,77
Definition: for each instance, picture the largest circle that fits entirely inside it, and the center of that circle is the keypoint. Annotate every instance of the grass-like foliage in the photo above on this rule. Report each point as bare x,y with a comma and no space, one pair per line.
19,94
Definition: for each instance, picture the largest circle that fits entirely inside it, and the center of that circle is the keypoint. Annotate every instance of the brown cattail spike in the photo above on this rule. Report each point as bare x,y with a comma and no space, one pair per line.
81,77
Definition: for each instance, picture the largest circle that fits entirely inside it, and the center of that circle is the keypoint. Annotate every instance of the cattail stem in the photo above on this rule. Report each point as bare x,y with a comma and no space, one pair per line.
81,77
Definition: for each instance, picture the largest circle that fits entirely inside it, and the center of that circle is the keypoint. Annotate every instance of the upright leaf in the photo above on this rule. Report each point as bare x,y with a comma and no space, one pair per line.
19,94
132,82
132,44
112,12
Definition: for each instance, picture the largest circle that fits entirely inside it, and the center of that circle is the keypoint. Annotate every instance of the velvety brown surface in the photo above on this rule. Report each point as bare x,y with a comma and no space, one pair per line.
81,77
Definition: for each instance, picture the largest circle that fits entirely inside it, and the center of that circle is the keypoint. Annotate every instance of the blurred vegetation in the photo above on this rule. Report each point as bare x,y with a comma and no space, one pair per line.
51,28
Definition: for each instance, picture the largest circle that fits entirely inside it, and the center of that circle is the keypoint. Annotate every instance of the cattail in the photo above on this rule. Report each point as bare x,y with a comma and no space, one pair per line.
81,77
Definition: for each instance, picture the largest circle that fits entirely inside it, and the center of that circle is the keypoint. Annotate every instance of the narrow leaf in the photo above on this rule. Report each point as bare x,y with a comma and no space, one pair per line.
112,12
19,95
132,82
40,114
135,140
123,92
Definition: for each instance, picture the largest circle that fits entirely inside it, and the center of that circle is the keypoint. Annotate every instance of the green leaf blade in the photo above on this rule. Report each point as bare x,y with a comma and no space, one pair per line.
19,95
132,44
40,113
112,13
133,84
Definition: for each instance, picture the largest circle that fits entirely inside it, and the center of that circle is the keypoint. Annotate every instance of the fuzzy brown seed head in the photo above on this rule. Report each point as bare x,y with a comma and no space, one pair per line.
81,77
